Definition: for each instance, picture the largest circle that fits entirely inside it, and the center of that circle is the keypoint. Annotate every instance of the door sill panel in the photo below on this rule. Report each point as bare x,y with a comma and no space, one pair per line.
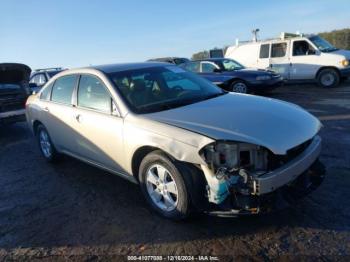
92,163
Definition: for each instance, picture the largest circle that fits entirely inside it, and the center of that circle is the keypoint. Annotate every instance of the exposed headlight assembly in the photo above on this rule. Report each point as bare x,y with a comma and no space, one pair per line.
234,156
263,77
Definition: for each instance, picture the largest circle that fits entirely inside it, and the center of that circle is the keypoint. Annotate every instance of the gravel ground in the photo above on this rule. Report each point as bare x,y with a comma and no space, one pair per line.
72,211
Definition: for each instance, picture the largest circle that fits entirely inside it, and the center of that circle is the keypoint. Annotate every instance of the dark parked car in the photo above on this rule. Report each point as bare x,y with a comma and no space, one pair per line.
171,60
14,91
40,76
232,76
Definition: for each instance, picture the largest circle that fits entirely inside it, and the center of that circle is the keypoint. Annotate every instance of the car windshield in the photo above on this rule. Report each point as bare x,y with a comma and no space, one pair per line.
9,86
230,65
156,89
322,44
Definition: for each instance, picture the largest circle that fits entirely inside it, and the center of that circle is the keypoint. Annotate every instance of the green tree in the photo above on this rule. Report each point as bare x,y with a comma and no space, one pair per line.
338,38
200,55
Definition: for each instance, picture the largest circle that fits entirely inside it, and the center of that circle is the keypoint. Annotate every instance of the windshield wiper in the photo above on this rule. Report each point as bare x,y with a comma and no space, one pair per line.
330,49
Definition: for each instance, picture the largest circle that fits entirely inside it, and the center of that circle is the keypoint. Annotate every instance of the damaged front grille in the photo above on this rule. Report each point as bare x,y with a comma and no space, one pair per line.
11,107
276,161
11,102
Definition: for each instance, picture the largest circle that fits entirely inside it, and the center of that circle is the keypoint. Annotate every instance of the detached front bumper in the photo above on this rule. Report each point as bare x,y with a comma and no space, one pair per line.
12,116
290,171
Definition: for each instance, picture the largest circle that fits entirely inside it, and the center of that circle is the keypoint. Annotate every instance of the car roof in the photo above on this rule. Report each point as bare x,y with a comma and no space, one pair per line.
211,59
111,68
167,58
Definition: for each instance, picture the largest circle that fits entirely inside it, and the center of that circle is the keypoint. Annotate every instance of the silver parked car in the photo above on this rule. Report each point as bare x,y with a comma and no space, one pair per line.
190,145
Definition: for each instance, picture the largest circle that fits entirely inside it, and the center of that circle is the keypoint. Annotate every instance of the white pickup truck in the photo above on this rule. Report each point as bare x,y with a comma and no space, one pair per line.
295,58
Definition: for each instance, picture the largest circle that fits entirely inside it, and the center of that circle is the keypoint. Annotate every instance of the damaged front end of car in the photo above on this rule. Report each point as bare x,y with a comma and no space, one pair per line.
244,178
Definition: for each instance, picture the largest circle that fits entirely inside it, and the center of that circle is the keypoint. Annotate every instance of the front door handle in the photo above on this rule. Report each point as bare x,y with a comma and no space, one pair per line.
46,109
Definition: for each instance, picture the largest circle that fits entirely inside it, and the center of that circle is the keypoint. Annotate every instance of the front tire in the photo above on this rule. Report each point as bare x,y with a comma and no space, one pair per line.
239,86
46,146
328,78
164,187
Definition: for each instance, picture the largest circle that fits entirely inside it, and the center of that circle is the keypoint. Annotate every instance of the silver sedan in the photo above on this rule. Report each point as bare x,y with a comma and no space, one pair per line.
191,146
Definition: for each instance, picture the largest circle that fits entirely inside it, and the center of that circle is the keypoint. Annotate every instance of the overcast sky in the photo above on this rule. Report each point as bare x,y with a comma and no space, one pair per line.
73,33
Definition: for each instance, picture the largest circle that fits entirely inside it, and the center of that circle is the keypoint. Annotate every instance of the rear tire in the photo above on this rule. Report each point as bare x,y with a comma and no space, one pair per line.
46,146
328,78
164,187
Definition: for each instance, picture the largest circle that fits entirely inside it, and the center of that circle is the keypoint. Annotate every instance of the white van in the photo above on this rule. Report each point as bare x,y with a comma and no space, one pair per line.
295,57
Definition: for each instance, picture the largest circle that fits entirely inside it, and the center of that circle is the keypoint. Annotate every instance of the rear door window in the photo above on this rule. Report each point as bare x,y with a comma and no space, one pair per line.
62,90
264,51
279,50
208,67
92,94
46,93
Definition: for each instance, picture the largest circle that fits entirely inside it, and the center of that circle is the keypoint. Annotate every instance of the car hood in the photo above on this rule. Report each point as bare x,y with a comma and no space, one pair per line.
276,125
341,52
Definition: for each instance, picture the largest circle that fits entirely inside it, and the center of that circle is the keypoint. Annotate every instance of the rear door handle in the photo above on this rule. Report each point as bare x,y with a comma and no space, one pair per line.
79,118
46,109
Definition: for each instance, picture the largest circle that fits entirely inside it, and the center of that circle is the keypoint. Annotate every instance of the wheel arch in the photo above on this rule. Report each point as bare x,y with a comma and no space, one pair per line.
195,178
326,67
36,124
235,79
138,156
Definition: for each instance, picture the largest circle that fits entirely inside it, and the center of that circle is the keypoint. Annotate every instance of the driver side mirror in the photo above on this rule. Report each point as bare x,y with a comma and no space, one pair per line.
217,70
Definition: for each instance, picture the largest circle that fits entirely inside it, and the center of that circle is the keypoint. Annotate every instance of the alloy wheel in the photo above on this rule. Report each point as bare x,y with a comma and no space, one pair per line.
161,187
45,143
240,87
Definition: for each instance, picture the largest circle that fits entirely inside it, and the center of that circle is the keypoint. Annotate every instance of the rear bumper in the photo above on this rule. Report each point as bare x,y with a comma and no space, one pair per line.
12,116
